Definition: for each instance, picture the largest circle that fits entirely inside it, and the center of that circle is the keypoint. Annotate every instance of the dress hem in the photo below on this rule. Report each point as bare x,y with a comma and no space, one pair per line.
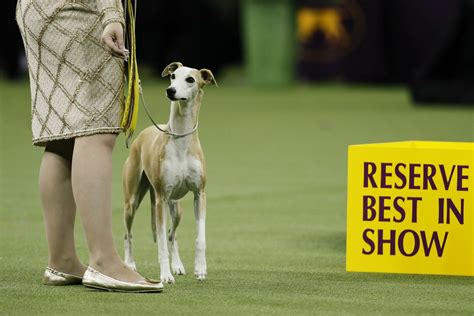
41,141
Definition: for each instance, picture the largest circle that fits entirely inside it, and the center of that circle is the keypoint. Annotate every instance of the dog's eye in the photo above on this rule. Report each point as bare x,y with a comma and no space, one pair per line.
173,76
190,79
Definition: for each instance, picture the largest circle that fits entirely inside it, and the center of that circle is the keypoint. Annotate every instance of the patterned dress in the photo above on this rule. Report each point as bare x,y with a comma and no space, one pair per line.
76,82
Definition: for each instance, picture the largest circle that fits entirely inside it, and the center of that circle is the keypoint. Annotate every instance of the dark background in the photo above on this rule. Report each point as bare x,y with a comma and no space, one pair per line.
426,44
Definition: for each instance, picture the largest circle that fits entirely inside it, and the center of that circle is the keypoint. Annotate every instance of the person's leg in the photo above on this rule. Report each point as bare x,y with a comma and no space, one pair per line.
59,208
92,187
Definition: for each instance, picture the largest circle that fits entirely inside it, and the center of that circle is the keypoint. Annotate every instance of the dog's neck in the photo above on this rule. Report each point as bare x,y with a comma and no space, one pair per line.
184,115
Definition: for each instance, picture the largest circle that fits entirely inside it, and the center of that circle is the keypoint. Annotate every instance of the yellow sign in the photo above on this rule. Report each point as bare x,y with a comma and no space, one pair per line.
411,208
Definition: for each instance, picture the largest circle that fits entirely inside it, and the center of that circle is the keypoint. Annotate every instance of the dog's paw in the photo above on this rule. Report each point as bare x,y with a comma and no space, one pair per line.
200,270
201,276
167,278
178,268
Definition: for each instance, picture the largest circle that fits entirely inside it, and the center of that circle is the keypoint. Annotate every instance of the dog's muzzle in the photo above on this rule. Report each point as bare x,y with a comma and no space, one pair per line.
170,93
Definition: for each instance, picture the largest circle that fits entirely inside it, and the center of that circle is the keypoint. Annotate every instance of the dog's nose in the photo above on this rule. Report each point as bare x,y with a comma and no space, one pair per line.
170,92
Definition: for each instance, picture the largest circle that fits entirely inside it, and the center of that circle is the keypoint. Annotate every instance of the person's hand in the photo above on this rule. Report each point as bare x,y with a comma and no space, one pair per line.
112,37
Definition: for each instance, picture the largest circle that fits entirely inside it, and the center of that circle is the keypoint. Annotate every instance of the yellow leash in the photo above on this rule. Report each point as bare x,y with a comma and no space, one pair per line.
130,112
134,91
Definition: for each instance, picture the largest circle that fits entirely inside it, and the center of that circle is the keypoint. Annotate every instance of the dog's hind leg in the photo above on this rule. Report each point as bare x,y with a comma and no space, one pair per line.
135,186
163,254
200,266
176,213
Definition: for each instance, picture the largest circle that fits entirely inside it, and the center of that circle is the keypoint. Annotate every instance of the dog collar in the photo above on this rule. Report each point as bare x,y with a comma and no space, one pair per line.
170,133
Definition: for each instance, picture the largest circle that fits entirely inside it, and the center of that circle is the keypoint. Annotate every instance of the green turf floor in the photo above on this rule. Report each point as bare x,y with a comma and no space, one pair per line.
276,208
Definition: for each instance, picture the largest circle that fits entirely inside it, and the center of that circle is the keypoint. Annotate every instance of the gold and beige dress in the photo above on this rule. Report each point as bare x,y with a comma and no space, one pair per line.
76,83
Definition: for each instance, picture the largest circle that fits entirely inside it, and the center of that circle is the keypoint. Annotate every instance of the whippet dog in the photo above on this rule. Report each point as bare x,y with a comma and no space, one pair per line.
169,162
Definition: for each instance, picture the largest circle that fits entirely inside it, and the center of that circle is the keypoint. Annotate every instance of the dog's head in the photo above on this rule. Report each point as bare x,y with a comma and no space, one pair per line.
186,82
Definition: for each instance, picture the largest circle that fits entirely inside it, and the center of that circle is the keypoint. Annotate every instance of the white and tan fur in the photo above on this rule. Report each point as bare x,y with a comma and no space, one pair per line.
169,167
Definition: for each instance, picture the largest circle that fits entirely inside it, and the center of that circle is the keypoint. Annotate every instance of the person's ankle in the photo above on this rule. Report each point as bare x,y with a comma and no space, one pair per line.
67,264
103,262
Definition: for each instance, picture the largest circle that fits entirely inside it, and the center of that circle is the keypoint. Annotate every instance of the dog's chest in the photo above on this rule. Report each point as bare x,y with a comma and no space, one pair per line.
182,172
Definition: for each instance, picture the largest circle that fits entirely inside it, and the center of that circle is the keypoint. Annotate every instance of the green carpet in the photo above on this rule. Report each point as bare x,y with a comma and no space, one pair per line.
276,163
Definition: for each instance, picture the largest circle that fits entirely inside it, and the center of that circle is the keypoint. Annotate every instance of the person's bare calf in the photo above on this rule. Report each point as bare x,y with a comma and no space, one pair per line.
92,187
59,208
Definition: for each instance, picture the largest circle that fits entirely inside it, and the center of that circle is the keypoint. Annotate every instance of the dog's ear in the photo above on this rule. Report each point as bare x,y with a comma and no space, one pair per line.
171,68
208,77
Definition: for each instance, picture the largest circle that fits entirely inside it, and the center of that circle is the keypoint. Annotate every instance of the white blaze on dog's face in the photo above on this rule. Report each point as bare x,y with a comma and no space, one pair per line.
186,82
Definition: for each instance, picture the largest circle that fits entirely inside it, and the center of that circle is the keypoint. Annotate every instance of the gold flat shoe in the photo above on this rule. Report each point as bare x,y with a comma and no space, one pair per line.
53,277
94,279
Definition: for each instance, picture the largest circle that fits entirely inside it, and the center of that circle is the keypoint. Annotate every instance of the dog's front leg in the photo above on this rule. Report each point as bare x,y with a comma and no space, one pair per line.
176,213
200,267
163,255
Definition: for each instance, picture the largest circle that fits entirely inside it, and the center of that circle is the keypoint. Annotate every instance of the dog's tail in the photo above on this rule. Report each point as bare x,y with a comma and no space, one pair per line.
153,215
